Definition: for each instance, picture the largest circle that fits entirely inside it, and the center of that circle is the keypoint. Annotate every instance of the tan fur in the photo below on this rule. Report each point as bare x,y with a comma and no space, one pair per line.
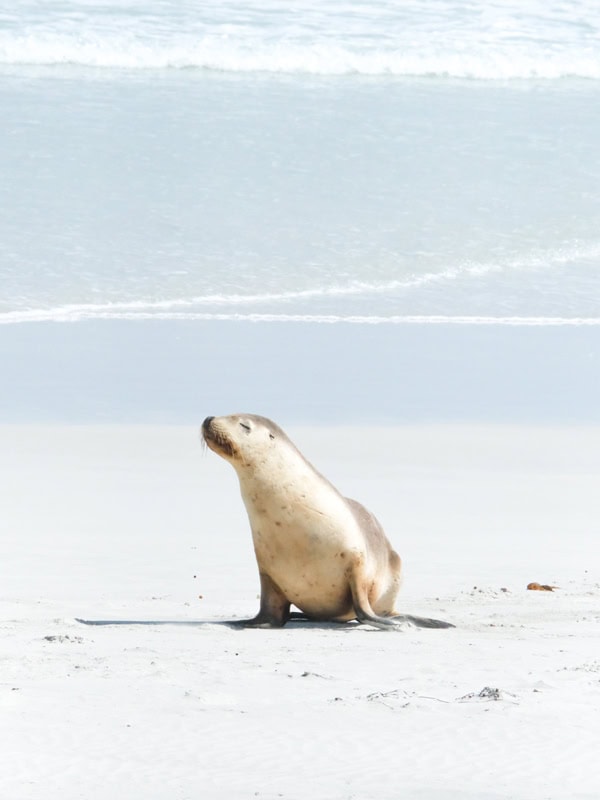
315,549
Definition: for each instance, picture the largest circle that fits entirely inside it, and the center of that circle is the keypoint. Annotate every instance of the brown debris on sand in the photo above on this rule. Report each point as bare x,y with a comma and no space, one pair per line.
542,587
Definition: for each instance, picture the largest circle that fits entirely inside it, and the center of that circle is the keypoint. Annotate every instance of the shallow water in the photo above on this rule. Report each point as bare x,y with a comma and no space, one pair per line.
182,371
205,195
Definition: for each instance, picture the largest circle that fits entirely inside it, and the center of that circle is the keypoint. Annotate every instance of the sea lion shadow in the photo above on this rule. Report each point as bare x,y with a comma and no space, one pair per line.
232,624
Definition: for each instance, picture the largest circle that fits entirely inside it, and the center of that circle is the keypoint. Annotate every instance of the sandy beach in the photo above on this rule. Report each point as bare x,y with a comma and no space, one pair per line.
139,523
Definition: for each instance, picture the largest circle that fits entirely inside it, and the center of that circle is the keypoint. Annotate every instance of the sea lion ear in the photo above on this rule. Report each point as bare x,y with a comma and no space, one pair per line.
271,436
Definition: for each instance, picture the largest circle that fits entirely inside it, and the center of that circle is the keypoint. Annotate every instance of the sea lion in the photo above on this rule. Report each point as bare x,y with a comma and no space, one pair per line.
320,551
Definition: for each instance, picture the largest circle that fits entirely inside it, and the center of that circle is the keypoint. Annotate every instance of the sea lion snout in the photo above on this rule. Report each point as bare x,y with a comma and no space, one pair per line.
217,437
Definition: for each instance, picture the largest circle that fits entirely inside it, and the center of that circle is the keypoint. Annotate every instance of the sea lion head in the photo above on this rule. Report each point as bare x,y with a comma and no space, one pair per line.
242,439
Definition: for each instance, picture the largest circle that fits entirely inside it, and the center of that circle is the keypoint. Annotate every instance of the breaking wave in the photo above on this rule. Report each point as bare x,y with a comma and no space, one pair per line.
509,40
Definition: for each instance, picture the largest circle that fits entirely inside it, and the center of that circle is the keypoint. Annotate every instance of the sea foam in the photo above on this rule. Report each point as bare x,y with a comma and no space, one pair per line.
507,41
104,312
298,305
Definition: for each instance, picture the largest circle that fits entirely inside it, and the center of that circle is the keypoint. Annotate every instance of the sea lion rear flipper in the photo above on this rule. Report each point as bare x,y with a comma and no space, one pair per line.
423,622
360,598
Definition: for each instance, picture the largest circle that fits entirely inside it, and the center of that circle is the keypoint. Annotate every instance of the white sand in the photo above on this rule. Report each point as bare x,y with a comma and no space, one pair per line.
136,523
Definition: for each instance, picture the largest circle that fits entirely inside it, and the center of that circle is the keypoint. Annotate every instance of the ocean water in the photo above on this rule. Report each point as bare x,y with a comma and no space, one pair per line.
300,160
397,165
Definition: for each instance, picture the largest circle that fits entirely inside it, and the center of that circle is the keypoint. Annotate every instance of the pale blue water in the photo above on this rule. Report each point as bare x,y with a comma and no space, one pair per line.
286,162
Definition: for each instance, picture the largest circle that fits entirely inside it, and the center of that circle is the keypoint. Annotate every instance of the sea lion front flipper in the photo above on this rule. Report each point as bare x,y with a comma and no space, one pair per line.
274,609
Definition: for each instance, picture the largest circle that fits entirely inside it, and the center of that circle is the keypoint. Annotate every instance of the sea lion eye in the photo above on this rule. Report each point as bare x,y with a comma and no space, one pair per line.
245,426
271,436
